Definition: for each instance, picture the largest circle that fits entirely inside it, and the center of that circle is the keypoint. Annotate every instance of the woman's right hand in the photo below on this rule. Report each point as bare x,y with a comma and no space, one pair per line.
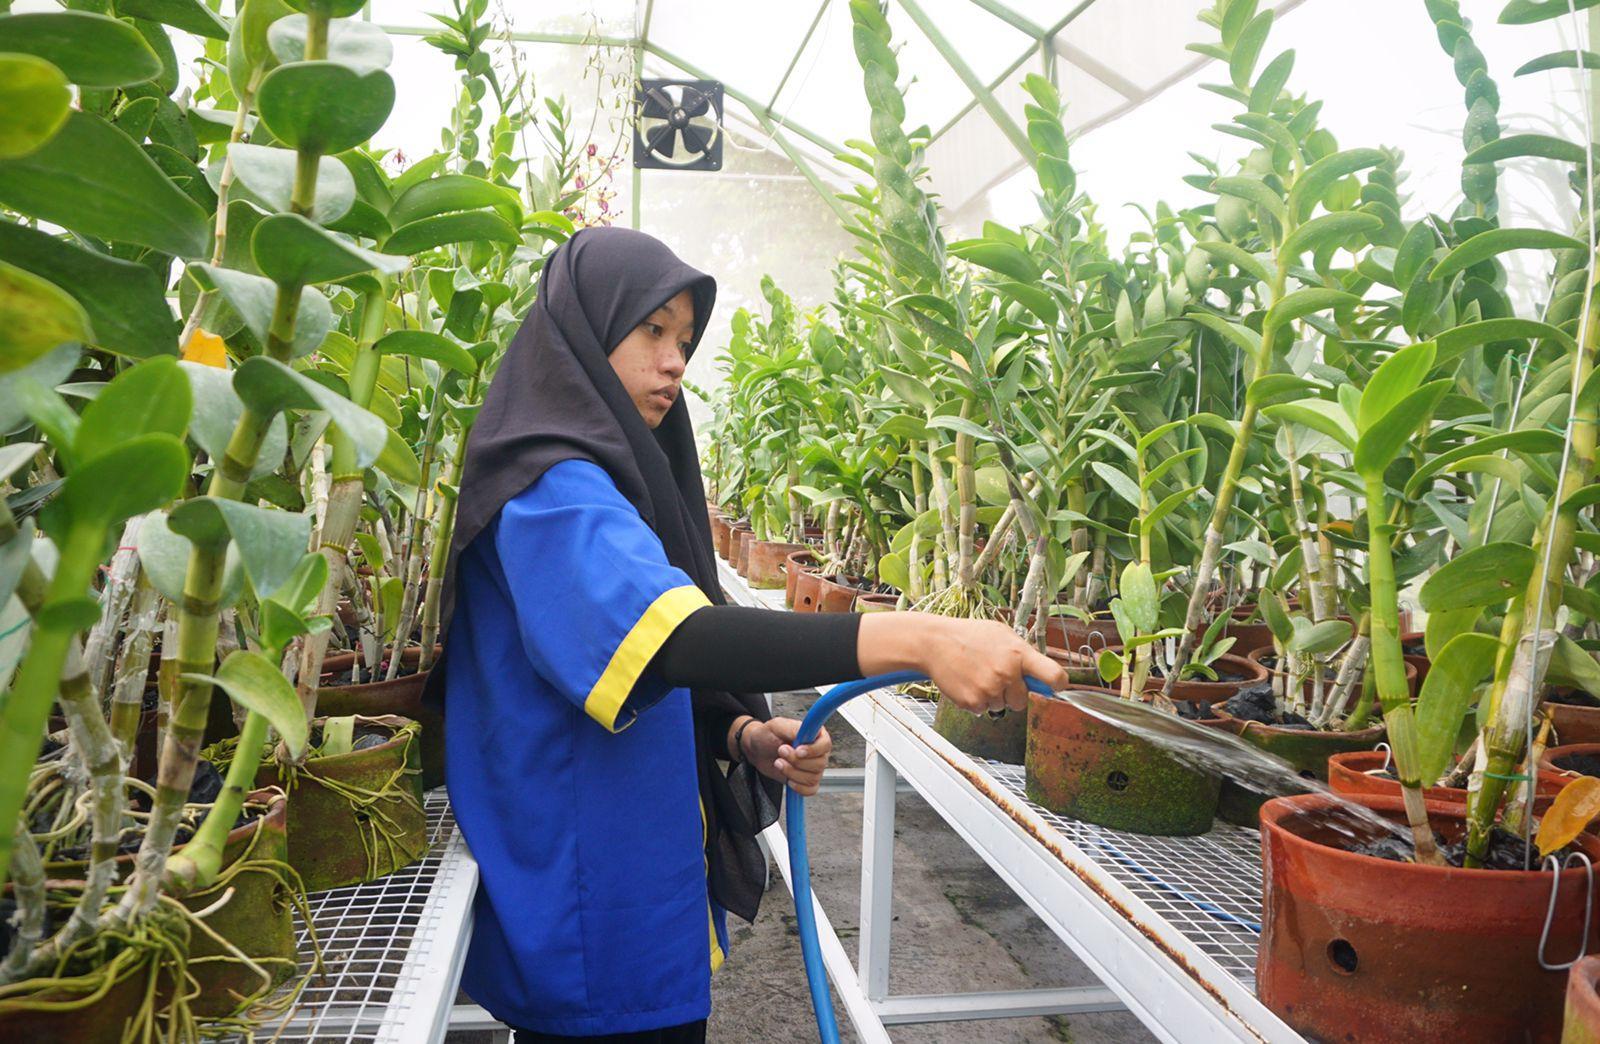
979,665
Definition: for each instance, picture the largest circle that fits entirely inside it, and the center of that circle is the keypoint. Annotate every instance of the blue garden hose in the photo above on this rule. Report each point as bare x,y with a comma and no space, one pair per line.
800,860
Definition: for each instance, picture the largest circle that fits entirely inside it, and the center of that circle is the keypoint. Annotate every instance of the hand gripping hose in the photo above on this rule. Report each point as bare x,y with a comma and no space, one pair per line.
800,860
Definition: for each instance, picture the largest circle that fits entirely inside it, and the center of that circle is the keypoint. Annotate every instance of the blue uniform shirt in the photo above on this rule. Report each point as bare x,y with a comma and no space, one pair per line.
572,769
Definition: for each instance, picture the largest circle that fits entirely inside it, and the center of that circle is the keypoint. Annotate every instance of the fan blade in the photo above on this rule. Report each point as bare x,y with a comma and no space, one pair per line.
656,104
659,139
696,139
695,103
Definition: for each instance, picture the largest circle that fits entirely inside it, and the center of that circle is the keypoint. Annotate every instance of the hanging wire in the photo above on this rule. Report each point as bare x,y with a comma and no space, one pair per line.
1534,676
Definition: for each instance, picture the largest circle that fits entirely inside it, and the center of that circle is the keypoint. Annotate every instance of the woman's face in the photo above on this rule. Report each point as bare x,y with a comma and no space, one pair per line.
651,359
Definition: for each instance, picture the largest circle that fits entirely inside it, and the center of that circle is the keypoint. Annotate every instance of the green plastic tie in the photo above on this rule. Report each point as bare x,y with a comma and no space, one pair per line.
1517,778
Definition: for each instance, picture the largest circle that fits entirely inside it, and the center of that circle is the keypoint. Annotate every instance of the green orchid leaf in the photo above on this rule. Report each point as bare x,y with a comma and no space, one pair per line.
360,46
466,226
1518,146
255,297
1446,698
92,178
1527,12
1329,229
998,256
153,396
1480,576
1453,342
1319,415
1306,302
192,16
1120,482
293,251
269,175
420,344
1397,377
1255,191
217,409
34,102
140,475
1314,184
1236,256
124,301
1381,443
271,542
454,192
269,387
1572,665
324,107
1485,245
91,50
37,317
256,684
398,461
1140,598
1317,638
164,557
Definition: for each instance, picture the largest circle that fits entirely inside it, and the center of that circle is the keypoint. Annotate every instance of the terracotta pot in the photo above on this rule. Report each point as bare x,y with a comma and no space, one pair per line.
1307,750
1353,773
1583,1003
1352,945
1574,724
766,561
1203,691
1255,656
1247,636
877,603
1080,766
402,697
334,842
742,539
807,591
1554,762
998,739
258,919
834,596
728,548
58,1012
797,564
719,529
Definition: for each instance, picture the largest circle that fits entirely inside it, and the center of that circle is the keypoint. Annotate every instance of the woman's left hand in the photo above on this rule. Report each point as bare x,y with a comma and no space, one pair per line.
771,749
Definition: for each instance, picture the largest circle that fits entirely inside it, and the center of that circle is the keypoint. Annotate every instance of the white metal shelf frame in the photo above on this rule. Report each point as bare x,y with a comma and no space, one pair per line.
1167,924
392,949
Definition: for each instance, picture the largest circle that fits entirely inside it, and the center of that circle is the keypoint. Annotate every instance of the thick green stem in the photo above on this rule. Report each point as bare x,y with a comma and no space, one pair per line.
344,500
1389,668
38,678
201,859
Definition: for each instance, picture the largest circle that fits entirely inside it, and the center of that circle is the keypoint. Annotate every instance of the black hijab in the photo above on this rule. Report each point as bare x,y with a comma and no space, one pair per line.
555,397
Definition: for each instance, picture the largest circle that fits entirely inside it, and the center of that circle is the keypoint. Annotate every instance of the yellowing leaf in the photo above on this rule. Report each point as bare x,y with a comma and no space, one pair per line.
1573,809
207,349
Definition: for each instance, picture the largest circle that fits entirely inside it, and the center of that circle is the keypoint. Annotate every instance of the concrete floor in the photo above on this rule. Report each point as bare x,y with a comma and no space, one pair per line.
957,928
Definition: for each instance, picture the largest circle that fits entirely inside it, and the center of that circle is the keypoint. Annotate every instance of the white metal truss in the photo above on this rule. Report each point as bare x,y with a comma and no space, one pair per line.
1168,925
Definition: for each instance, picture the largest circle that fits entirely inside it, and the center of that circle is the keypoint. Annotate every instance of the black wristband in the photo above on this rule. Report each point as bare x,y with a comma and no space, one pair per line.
738,742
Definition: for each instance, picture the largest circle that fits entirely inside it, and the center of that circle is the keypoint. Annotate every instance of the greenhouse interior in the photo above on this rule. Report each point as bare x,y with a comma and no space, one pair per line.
871,520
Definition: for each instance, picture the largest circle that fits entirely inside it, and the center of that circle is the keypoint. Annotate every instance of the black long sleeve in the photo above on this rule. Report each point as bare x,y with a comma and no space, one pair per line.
739,649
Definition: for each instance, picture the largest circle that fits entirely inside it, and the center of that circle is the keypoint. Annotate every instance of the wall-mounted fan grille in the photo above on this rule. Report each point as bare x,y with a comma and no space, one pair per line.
679,125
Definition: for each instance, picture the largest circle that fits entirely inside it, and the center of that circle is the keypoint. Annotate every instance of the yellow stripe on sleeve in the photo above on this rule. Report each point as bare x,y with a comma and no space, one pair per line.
637,649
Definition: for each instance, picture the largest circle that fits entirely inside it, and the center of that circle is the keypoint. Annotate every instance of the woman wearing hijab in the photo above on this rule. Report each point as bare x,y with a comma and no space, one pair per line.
610,762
